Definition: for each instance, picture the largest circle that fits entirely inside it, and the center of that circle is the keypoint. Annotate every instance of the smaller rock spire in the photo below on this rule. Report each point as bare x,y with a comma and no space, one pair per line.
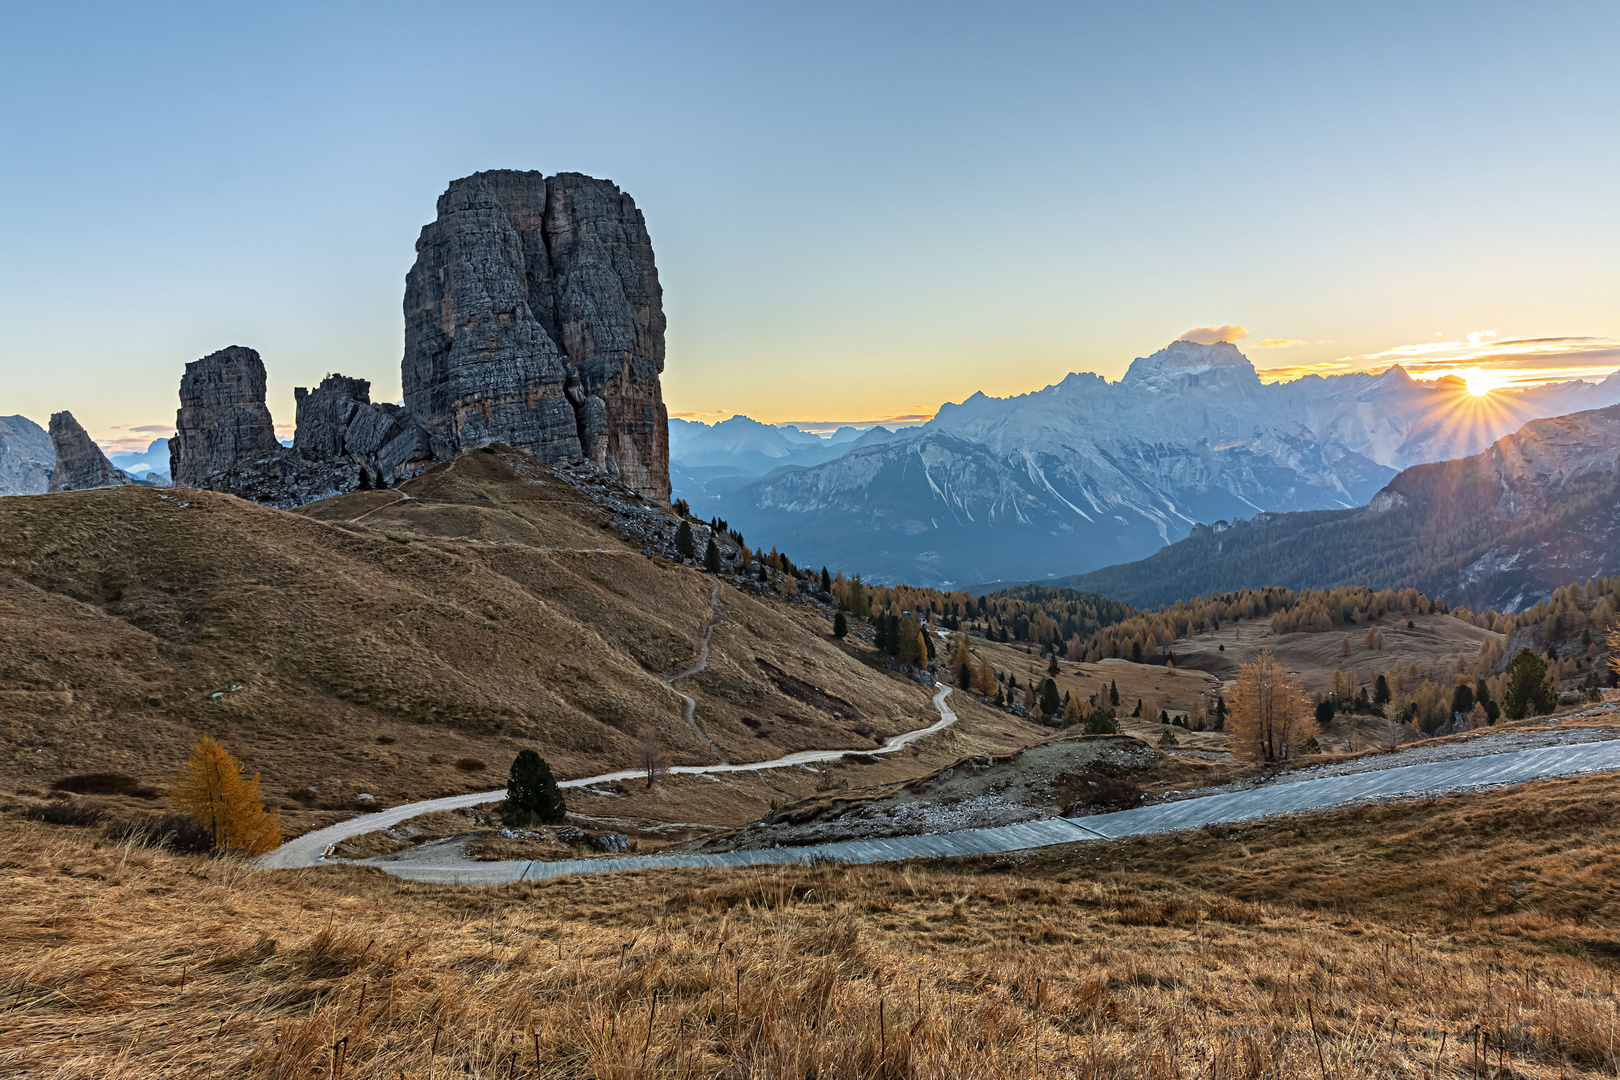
80,464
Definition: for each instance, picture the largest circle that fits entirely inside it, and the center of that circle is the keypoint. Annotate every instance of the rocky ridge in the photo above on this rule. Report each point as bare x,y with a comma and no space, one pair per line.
225,439
533,319
80,464
1501,528
1087,473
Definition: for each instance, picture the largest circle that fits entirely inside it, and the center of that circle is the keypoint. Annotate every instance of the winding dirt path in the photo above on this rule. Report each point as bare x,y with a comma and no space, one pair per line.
717,615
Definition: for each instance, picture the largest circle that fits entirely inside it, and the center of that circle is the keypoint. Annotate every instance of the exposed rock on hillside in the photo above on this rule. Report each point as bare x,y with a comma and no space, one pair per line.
339,425
534,317
26,457
223,420
225,440
80,464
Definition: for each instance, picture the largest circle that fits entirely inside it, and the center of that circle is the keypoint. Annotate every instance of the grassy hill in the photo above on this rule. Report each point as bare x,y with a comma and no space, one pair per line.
401,643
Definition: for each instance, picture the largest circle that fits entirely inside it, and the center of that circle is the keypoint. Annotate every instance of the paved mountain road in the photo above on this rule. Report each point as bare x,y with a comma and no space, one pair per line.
1407,781
308,849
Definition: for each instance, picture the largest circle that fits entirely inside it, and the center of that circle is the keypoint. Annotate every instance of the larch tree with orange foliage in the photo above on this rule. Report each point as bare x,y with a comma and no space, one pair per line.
1269,718
213,791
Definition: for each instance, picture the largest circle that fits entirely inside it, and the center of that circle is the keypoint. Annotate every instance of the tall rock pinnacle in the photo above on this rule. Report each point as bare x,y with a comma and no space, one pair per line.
223,419
534,317
80,464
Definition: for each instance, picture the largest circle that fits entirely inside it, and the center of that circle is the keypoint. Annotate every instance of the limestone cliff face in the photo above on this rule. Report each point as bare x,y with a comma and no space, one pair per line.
534,317
223,419
80,464
339,426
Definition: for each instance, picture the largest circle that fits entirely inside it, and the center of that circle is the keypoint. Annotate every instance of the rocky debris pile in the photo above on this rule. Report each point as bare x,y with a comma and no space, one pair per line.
641,520
80,464
610,843
534,318
1062,777
378,442
225,440
26,457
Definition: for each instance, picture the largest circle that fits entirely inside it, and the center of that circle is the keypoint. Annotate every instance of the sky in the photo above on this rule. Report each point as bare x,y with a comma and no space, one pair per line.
859,211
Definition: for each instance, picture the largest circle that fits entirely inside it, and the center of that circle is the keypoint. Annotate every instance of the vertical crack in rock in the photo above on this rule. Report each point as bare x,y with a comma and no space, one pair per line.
534,317
80,464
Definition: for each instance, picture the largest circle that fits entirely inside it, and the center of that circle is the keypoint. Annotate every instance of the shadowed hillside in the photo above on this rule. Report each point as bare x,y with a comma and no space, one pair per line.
397,642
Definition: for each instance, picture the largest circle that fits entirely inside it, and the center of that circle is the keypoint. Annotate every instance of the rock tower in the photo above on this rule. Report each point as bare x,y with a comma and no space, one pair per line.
534,317
224,438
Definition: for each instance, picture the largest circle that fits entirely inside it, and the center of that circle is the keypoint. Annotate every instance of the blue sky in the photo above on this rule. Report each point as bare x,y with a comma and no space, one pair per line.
859,211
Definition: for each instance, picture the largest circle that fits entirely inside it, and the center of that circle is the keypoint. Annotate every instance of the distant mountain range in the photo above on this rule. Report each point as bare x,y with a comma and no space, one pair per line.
1501,529
154,459
1087,473
26,456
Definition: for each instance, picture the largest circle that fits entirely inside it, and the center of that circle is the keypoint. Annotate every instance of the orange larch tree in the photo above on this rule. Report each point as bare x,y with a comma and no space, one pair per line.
213,791
1269,715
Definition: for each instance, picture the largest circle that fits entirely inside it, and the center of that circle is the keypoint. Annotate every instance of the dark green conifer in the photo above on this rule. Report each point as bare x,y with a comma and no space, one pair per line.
684,542
532,795
1050,703
1527,691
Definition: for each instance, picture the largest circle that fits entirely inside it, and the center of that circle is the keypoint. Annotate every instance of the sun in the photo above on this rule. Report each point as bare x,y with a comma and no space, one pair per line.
1482,381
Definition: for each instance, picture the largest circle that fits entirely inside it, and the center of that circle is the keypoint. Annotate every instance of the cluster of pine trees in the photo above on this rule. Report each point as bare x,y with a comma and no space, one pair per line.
1050,619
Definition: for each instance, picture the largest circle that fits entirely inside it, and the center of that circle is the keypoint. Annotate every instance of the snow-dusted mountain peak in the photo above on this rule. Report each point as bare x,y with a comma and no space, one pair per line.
1188,363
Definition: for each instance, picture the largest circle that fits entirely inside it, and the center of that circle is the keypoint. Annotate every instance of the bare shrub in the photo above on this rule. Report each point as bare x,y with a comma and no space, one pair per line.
110,783
470,764
65,813
652,759
176,832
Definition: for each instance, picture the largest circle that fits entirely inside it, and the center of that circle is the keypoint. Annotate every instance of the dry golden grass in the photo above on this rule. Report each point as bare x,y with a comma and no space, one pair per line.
1204,955
379,640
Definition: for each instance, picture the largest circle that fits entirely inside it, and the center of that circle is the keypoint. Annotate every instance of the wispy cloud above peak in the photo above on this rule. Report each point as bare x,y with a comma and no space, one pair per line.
1279,343
1209,335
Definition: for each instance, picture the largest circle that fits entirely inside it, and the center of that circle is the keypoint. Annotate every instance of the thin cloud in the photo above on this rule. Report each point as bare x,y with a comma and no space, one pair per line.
153,429
1527,361
1279,343
1209,335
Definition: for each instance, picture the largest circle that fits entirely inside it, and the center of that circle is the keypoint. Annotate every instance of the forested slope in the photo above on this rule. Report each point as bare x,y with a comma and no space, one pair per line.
1502,529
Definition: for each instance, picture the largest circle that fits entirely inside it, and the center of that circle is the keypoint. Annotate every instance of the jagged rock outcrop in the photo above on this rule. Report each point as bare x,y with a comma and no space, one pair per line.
225,439
534,317
80,464
26,457
223,421
339,425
